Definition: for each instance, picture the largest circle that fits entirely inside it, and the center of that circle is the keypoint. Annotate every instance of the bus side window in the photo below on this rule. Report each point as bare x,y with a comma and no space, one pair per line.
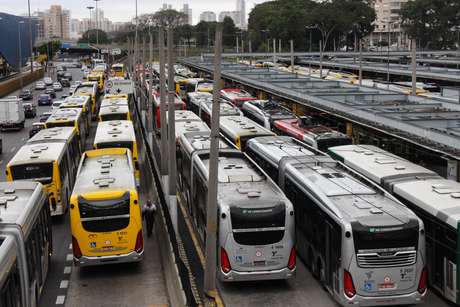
10,294
63,168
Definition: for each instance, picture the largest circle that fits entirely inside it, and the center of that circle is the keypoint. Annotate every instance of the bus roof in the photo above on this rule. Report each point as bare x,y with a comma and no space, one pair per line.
114,131
377,164
198,97
241,183
236,94
114,109
20,203
119,101
185,116
56,134
75,100
118,65
105,170
198,141
235,126
226,109
37,153
437,196
275,148
184,126
61,115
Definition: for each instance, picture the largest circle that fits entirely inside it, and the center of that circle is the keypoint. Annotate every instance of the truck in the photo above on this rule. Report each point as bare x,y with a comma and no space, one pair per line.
11,113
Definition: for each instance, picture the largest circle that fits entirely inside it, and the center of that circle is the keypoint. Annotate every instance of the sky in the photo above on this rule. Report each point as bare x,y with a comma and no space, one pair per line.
124,10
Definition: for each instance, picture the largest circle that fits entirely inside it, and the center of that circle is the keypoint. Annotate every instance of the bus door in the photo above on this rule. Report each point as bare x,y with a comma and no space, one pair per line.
450,280
333,251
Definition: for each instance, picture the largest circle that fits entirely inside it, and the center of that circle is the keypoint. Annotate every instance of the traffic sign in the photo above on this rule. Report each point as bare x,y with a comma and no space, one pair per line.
116,51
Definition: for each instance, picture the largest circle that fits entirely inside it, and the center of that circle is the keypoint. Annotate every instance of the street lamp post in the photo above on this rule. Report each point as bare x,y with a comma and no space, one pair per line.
89,25
97,29
19,52
310,30
266,38
31,41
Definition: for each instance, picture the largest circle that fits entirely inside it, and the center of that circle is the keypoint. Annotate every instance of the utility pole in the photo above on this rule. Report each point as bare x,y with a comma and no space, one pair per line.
143,51
414,66
31,40
19,51
292,55
274,52
150,90
171,132
279,46
211,214
97,30
360,63
321,58
164,148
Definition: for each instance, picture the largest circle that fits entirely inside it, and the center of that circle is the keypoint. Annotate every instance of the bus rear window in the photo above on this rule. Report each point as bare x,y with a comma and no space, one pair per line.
128,145
60,124
258,237
247,218
377,239
115,116
104,215
42,172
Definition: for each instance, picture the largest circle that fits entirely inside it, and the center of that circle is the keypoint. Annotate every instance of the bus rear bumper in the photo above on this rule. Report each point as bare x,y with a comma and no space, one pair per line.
100,260
284,273
403,299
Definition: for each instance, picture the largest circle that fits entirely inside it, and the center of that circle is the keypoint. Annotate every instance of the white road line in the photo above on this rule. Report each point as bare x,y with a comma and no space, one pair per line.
70,246
13,149
64,284
60,299
67,269
1,161
23,139
69,257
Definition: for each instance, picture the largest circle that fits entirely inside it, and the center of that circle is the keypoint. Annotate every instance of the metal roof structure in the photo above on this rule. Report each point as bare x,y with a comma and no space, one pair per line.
430,123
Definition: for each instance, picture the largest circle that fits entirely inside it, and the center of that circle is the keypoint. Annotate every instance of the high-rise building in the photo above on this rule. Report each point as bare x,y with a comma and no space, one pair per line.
241,9
208,16
166,6
188,13
56,23
388,22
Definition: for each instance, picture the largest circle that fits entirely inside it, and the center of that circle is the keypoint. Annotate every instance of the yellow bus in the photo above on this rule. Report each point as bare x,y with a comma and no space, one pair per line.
105,212
79,102
114,109
97,77
118,70
70,117
88,88
118,133
49,164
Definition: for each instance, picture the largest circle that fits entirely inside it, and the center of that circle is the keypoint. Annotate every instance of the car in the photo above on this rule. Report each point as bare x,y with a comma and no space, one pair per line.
65,82
76,83
64,96
40,85
45,100
61,68
68,75
56,104
60,74
36,127
48,81
57,86
72,89
30,110
26,95
44,116
51,92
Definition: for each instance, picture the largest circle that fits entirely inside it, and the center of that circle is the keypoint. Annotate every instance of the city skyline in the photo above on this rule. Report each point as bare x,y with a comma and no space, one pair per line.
123,11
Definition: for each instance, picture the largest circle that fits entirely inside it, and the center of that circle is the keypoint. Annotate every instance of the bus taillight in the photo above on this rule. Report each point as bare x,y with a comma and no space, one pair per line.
291,262
139,242
348,286
422,283
224,261
76,248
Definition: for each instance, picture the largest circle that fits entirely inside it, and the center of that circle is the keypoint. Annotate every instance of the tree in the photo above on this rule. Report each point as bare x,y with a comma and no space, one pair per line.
168,18
49,48
229,32
94,35
433,23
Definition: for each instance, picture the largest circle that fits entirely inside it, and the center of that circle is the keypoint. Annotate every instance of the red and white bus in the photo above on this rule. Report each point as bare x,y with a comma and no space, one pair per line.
312,133
179,104
236,96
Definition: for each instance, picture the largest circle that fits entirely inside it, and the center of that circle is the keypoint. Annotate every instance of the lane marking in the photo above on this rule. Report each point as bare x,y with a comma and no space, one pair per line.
69,257
60,299
64,284
67,269
70,246
23,139
13,149
1,161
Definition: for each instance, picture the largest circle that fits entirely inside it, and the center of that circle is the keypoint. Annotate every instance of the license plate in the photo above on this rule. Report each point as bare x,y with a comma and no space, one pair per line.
259,263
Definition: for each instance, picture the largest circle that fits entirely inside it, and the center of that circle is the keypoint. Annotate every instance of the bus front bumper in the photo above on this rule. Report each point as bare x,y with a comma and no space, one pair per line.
284,273
100,260
403,299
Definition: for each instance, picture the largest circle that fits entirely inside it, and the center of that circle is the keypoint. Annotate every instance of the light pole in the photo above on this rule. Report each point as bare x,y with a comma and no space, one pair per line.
19,51
388,55
135,41
97,28
31,41
310,28
89,25
266,38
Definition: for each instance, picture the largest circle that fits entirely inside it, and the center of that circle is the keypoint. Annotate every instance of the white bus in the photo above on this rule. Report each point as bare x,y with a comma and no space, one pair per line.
25,243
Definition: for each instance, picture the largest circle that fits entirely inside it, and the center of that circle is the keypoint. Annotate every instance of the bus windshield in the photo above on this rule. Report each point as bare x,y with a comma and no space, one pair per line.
385,239
115,145
265,225
42,172
104,215
115,116
60,124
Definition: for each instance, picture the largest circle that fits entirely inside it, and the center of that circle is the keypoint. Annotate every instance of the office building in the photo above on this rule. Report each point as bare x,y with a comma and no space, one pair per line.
208,16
